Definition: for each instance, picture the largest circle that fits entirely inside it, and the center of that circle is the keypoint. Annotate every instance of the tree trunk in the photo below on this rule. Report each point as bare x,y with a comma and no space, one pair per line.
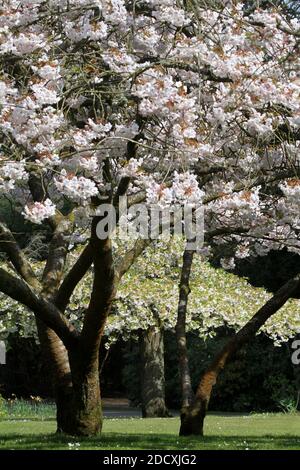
77,391
153,373
184,370
57,360
86,403
192,418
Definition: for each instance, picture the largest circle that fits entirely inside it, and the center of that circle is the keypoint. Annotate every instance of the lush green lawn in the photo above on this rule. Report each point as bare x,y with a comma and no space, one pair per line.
260,431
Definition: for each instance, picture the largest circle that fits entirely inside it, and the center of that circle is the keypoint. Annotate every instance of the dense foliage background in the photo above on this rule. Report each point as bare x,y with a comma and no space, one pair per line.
260,378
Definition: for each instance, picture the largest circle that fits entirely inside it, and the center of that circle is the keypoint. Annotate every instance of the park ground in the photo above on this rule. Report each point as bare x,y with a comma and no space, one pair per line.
27,427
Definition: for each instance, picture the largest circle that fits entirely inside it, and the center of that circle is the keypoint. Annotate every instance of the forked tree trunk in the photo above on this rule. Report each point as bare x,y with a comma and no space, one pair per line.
77,391
153,373
72,356
76,371
192,418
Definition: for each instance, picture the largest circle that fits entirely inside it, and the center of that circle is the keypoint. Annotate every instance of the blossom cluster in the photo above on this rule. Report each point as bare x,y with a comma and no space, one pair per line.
194,104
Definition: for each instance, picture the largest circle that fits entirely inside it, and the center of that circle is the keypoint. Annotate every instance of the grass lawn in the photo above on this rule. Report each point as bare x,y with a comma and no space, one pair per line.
257,431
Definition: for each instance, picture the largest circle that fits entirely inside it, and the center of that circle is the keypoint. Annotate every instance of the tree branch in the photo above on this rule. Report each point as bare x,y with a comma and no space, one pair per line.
74,276
130,256
18,290
101,297
10,246
58,251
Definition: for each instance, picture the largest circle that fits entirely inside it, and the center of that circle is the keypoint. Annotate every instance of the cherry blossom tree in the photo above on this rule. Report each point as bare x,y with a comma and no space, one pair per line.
167,102
146,305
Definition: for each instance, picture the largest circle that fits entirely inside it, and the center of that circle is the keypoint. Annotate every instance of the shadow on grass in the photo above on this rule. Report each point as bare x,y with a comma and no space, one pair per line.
116,441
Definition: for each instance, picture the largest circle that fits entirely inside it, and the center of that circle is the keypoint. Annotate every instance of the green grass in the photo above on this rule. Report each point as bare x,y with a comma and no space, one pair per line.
28,409
259,431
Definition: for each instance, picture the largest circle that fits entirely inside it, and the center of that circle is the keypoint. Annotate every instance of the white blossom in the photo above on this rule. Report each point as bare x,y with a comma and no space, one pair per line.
39,211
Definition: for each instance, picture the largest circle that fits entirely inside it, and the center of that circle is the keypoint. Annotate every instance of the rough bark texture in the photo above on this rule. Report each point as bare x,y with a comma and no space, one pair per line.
85,359
183,361
57,360
76,388
192,418
75,369
153,373
86,403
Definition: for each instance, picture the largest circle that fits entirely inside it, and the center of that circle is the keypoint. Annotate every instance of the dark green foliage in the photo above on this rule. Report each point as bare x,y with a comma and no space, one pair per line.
260,378
24,373
131,374
271,271
112,362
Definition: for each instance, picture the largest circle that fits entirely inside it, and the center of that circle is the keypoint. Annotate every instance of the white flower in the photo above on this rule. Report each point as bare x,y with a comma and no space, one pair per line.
23,43
174,16
89,164
39,211
159,194
14,171
77,189
258,125
242,252
294,122
44,95
186,188
49,71
227,263
134,165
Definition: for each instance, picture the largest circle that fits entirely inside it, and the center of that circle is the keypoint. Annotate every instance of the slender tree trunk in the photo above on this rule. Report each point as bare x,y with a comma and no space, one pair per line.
153,373
184,290
192,418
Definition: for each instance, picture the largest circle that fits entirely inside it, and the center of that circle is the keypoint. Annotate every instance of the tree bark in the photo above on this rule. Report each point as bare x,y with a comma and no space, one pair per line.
76,388
57,361
192,418
86,399
84,359
153,373
184,290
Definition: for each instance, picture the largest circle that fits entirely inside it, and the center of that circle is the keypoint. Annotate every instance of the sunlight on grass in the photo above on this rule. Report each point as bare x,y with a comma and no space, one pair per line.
261,431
